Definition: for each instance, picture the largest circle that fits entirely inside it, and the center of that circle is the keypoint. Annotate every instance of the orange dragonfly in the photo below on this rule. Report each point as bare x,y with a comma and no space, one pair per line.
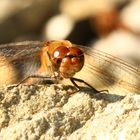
56,61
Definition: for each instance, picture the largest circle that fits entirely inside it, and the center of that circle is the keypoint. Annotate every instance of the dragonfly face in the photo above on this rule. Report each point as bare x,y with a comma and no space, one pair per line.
61,57
68,60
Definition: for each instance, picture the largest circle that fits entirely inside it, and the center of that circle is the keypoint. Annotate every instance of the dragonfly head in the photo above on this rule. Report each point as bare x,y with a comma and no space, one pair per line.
67,60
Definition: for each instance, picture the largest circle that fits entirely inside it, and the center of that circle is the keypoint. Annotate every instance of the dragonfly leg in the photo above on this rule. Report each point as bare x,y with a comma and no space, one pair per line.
73,82
31,76
82,81
34,76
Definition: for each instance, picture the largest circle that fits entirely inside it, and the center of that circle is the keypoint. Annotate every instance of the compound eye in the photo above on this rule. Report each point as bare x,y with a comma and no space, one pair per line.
75,51
60,52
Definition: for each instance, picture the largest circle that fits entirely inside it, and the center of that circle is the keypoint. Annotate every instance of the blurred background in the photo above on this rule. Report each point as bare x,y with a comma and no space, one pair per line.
112,26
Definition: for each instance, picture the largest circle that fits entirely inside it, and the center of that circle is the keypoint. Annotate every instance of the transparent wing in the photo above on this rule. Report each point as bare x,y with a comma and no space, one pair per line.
14,51
104,71
18,60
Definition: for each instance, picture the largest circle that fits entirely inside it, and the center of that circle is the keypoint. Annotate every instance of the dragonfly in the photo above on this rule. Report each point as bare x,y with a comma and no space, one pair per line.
60,61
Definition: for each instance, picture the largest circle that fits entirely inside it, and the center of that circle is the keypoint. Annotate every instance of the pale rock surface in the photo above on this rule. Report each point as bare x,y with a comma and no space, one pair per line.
90,7
130,15
50,112
121,44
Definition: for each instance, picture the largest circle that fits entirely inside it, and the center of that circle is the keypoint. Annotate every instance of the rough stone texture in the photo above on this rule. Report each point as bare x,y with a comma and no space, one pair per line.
50,112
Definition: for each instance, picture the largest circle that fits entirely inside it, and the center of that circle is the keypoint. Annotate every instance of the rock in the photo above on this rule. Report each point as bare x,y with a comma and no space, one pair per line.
130,16
58,27
49,112
121,44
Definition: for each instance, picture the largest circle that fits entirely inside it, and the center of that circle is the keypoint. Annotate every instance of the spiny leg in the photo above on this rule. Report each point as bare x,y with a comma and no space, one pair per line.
82,81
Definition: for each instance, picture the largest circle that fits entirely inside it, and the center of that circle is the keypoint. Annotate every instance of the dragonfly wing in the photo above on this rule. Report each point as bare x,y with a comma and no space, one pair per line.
14,51
104,71
18,61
